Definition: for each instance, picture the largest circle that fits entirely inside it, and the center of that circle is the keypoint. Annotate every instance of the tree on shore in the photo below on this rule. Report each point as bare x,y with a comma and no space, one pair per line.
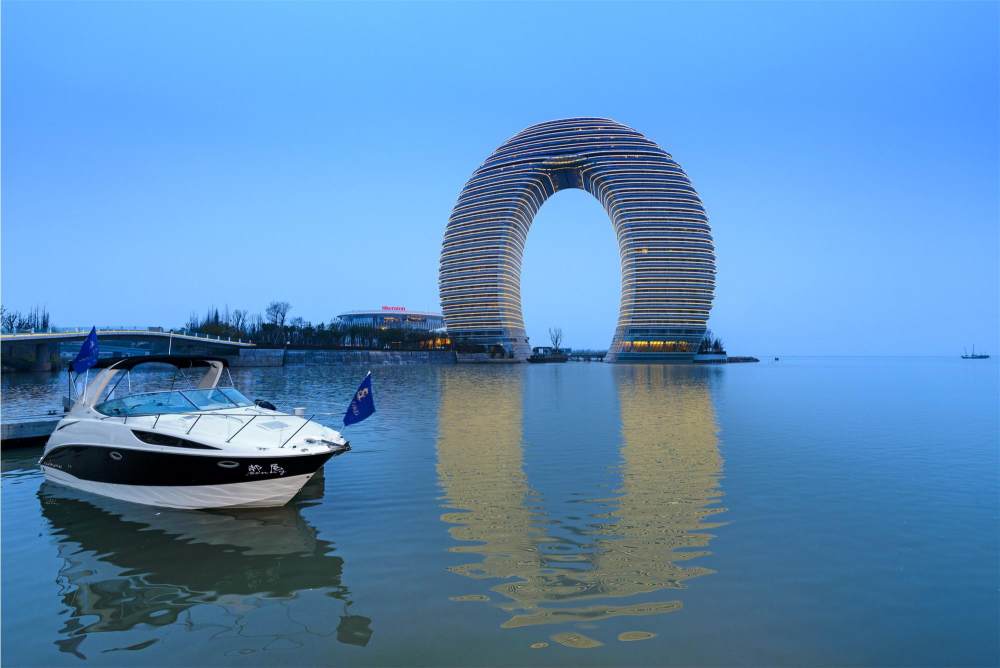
711,344
15,321
239,320
277,312
556,336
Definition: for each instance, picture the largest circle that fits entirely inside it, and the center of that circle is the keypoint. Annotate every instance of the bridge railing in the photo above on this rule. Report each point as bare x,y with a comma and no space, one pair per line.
83,331
579,355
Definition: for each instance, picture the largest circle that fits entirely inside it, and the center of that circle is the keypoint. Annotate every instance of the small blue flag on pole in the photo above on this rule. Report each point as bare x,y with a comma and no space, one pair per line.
363,403
87,357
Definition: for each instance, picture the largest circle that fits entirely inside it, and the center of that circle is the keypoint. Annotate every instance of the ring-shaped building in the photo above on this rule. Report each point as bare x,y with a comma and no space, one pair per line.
667,256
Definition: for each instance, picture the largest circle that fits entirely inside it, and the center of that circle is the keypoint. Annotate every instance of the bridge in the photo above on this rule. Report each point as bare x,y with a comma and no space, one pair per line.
588,355
42,351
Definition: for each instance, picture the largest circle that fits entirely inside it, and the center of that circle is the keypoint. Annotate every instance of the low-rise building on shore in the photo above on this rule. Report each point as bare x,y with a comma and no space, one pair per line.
394,317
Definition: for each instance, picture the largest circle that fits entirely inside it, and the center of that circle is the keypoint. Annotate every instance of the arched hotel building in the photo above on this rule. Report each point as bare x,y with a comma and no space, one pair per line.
667,256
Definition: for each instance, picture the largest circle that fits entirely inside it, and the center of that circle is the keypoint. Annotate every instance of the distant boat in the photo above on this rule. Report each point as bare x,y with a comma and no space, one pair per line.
975,356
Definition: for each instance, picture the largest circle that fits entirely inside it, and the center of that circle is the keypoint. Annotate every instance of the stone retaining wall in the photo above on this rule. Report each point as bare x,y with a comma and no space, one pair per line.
258,357
278,357
374,357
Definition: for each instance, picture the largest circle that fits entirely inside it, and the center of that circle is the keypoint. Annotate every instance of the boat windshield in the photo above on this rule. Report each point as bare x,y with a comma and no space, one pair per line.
214,399
208,400
147,404
236,396
174,401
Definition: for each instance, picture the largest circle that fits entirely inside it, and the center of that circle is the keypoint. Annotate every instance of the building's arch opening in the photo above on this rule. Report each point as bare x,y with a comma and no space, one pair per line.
667,258
571,273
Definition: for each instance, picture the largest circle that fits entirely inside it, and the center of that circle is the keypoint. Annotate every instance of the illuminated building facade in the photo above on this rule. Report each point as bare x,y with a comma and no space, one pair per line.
393,317
667,256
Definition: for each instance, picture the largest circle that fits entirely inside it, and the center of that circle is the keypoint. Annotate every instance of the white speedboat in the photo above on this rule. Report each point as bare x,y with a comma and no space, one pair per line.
207,447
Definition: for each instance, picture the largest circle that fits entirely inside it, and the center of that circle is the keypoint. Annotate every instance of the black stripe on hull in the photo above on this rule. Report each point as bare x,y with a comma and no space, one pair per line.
122,466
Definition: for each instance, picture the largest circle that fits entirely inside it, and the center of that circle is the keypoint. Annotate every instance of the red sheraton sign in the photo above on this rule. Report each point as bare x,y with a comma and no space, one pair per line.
393,308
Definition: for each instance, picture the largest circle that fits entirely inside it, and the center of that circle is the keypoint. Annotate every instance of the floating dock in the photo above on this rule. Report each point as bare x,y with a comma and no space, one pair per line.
20,432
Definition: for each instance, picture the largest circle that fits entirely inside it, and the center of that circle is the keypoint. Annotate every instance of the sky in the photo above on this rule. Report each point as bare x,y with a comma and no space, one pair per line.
162,158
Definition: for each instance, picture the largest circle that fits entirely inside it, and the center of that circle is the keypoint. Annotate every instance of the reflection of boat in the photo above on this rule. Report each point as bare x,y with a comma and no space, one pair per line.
618,560
975,356
547,354
130,567
208,447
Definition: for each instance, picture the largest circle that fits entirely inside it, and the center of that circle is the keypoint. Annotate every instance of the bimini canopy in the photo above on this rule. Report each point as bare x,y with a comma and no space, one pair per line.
112,366
179,361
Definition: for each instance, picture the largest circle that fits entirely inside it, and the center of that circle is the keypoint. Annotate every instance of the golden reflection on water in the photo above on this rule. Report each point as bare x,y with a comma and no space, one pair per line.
655,523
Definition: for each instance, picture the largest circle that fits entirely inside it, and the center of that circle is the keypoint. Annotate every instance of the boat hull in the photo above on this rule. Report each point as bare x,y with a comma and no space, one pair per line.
180,480
257,494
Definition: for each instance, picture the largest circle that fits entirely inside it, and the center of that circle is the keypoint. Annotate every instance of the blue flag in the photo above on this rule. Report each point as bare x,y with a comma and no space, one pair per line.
363,403
87,357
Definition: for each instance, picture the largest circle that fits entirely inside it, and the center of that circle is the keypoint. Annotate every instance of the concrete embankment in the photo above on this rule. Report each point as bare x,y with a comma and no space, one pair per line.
272,357
369,357
258,357
721,358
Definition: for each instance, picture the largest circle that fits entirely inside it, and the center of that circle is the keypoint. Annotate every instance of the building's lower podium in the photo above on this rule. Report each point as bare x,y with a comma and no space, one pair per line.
484,358
491,345
655,345
661,345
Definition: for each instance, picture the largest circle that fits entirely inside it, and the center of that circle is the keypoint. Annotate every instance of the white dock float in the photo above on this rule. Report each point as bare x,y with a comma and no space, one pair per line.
19,432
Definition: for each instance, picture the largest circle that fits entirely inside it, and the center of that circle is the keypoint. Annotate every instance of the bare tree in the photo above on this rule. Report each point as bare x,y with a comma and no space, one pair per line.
705,346
36,319
297,327
8,318
555,336
240,320
277,312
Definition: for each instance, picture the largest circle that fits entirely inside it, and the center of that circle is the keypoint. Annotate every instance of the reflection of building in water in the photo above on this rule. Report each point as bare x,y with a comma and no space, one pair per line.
670,474
129,567
669,483
480,467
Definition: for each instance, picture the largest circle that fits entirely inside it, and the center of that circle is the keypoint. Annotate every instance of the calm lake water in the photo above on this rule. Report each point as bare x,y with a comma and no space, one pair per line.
801,512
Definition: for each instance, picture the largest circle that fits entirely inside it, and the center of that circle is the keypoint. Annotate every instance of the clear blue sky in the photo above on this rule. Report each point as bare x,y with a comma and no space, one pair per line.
162,158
